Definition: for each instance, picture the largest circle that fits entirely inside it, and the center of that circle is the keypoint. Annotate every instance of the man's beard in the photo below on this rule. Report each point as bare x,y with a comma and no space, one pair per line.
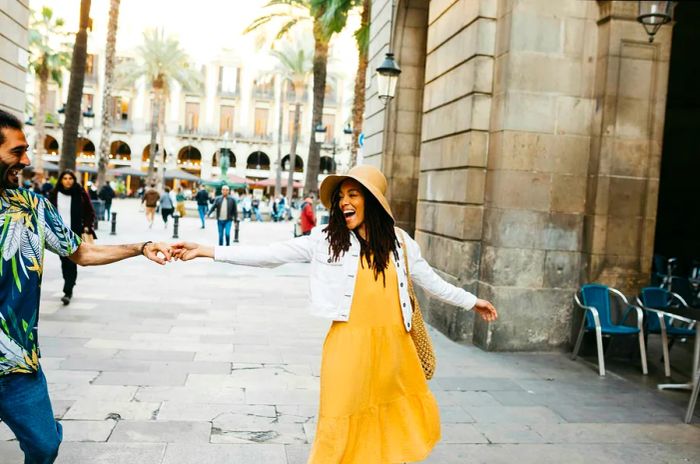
5,169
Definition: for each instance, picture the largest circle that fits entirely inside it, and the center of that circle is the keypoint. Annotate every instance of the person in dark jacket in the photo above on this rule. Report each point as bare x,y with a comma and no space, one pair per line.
203,201
226,212
75,208
107,194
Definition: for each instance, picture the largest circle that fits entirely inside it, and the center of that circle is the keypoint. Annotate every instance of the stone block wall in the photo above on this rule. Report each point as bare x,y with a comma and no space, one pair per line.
14,21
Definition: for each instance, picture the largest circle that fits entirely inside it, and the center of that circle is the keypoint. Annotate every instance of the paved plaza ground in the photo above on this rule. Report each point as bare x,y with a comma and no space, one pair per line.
211,363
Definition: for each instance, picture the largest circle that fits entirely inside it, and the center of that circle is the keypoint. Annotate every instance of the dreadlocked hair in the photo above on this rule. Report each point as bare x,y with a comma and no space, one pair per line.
381,235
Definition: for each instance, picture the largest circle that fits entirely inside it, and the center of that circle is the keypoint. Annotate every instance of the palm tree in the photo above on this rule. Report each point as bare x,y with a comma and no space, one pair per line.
47,62
328,17
107,102
161,62
75,90
294,65
358,103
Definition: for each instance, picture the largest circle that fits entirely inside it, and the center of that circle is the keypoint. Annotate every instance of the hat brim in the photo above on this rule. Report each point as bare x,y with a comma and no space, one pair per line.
331,182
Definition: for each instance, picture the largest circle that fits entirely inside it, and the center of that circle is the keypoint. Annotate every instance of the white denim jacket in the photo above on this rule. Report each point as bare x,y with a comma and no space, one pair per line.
332,283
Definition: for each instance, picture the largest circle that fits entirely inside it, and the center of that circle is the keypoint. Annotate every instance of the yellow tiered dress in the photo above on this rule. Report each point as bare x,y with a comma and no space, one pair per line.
375,404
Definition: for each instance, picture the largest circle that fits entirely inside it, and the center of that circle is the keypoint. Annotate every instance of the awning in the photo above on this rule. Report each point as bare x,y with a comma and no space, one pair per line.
271,183
126,171
181,175
233,182
86,168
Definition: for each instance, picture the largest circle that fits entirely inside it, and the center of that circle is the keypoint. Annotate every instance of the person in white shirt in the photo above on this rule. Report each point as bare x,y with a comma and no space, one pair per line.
375,403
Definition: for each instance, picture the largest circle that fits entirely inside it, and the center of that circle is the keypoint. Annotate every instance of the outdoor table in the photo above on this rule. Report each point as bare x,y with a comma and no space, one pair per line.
688,315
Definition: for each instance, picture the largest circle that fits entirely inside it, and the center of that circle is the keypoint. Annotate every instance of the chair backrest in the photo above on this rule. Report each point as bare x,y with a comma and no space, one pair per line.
657,298
681,285
597,296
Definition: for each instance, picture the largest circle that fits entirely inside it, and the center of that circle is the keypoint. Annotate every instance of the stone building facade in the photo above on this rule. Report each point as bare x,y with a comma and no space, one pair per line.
523,148
14,22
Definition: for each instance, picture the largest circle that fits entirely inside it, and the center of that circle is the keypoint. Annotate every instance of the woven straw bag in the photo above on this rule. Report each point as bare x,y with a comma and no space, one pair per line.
419,334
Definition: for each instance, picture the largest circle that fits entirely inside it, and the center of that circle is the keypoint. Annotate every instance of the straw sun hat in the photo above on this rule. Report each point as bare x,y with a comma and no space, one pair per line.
369,176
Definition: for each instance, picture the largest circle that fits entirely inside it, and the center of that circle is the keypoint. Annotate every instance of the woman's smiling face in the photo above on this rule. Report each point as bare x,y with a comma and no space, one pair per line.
352,203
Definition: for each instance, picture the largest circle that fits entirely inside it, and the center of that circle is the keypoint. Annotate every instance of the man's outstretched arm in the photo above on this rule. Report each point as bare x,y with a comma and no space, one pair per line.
89,254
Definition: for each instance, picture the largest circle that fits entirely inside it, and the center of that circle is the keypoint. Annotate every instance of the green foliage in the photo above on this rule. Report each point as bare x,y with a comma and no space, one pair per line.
161,61
48,48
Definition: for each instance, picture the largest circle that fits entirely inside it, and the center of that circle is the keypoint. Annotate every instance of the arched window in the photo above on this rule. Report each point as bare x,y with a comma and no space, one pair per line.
298,167
258,160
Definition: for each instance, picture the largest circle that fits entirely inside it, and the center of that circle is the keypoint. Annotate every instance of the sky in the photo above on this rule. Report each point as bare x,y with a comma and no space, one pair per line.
204,27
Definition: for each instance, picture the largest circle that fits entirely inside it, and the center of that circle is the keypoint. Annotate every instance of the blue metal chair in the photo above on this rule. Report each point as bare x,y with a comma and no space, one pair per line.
597,317
654,300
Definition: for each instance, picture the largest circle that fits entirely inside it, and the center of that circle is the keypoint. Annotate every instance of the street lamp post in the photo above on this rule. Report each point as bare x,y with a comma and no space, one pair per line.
88,120
654,14
388,72
62,115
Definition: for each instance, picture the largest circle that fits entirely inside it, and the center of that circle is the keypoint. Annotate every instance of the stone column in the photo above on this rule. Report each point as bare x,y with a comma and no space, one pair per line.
535,189
627,129
14,23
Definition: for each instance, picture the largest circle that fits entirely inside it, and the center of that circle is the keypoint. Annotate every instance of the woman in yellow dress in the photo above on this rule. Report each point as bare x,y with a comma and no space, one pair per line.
375,405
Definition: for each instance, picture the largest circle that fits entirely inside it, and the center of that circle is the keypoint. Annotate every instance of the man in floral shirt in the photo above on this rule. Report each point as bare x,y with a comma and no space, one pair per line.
28,224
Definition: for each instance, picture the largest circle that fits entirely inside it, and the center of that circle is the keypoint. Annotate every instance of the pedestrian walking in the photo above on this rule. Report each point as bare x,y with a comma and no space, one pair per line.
255,209
308,216
167,206
180,202
202,198
226,212
75,209
32,223
107,194
150,198
246,206
375,404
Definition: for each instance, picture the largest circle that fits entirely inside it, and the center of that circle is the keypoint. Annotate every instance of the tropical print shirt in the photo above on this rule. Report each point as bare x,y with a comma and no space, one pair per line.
28,223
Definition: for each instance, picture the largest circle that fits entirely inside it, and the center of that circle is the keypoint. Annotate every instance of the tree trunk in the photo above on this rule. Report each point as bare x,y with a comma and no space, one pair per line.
278,178
162,155
358,104
320,64
293,152
41,120
75,90
107,101
155,111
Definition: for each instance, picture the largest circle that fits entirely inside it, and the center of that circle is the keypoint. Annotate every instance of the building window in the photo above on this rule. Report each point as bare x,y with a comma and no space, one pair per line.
121,109
191,117
228,79
88,101
290,130
261,117
264,88
226,119
91,67
328,121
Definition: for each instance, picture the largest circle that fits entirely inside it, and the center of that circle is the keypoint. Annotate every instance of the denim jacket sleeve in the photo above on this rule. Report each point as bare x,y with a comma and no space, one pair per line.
297,250
426,277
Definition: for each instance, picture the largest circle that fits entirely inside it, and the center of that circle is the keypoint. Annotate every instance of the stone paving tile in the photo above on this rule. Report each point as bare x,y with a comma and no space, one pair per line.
10,453
100,410
462,433
190,367
141,379
161,432
514,414
512,433
85,392
615,414
251,433
175,411
155,355
297,454
71,377
619,433
111,453
109,365
476,384
5,432
87,430
293,397
198,394
176,453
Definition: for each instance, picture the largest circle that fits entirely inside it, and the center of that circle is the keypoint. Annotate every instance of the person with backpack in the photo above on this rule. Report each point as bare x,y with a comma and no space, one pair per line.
308,216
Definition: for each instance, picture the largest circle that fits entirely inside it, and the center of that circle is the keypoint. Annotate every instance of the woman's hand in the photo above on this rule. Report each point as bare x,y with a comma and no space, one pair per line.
486,310
186,251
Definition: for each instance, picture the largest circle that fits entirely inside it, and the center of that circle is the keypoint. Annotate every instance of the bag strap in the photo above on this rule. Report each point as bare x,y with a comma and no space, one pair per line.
411,291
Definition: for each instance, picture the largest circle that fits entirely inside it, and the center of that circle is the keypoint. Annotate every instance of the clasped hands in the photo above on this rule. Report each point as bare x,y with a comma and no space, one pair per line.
161,253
